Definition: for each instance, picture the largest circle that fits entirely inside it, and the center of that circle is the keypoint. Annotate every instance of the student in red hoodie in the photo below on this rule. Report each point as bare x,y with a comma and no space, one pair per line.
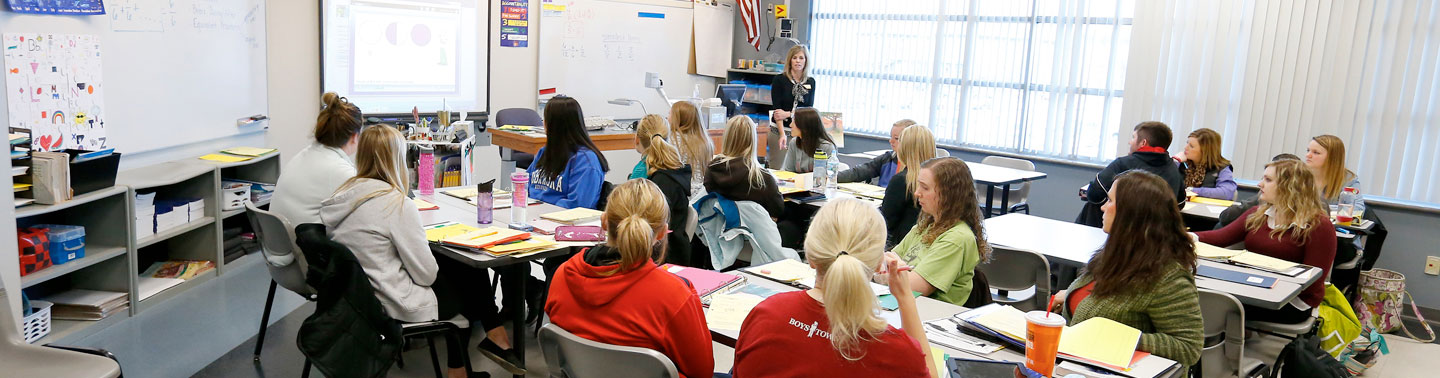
834,330
615,294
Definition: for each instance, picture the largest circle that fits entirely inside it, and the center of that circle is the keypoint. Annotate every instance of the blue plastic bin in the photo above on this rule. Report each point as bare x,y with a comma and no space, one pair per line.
67,242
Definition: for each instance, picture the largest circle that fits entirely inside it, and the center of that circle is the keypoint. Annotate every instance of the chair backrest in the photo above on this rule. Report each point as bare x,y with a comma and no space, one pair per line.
1015,270
572,356
9,332
518,117
941,152
1021,193
1224,320
277,239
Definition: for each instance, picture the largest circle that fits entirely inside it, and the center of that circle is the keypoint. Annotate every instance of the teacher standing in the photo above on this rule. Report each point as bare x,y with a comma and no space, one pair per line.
793,88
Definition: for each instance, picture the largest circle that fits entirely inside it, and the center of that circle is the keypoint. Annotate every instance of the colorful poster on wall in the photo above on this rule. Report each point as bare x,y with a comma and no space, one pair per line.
67,7
514,23
54,87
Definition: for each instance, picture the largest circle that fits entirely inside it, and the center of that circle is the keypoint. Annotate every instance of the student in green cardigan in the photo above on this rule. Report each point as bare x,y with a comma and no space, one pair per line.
1144,277
947,241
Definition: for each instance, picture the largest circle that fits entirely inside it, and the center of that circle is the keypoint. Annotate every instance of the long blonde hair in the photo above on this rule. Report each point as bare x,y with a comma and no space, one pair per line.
917,145
635,216
1334,175
379,155
1210,158
660,155
1295,201
846,252
649,127
804,71
694,145
738,143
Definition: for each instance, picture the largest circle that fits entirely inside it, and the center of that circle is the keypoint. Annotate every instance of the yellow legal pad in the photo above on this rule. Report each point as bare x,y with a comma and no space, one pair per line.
248,151
441,232
1211,201
223,158
1206,251
1101,340
531,244
1262,261
1007,320
783,175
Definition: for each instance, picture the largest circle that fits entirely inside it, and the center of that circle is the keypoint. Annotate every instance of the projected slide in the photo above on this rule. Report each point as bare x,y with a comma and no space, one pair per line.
388,56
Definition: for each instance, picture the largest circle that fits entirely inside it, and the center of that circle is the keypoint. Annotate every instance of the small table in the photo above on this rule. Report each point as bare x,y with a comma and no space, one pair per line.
1073,245
992,176
931,309
513,270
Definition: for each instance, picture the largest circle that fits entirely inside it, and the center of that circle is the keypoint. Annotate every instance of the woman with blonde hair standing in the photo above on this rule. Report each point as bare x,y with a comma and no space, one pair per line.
794,88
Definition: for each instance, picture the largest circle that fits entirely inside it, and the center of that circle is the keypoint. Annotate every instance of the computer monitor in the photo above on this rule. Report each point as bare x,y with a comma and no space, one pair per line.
730,96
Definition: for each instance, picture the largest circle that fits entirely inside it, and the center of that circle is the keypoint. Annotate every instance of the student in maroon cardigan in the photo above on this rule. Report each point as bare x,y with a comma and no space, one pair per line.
1290,224
615,294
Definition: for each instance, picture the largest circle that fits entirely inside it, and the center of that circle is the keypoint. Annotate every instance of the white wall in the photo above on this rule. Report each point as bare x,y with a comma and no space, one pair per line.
293,38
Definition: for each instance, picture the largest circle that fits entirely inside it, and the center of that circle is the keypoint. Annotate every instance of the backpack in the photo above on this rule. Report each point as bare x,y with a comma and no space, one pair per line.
1303,358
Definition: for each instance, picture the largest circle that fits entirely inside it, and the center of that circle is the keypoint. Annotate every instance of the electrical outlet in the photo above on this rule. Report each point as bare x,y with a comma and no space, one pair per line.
1432,265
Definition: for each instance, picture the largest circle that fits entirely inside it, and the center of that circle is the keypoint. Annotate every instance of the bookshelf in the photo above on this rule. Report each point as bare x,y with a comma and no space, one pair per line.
263,169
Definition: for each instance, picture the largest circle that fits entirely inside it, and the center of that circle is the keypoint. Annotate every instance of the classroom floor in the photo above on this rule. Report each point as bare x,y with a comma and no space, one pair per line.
1407,358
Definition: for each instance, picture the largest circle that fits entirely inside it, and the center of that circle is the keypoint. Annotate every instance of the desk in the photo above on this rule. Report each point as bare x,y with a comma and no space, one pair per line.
992,176
1072,245
931,309
513,270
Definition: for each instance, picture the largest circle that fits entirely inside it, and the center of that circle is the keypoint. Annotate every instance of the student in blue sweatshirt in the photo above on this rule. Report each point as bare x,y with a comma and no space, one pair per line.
569,170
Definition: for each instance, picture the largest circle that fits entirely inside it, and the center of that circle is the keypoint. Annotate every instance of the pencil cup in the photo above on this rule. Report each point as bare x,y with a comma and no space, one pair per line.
1042,340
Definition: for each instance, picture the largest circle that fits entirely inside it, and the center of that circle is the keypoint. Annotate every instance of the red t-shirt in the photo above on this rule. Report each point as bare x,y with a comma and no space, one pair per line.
787,335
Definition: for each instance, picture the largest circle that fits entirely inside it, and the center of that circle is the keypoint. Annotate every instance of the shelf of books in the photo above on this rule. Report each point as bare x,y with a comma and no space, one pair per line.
248,181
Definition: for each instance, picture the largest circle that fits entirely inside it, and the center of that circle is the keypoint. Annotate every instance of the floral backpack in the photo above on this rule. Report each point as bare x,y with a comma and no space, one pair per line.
1382,299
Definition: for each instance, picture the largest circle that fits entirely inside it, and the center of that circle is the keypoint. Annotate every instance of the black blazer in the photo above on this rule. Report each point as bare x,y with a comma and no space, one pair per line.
781,94
899,209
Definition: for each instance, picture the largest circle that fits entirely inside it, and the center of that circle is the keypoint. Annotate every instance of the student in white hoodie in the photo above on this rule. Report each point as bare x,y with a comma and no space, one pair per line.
313,174
371,216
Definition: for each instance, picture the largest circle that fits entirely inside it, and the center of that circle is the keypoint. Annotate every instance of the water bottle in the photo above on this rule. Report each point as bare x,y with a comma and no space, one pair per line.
425,171
1346,213
818,169
520,181
485,202
832,174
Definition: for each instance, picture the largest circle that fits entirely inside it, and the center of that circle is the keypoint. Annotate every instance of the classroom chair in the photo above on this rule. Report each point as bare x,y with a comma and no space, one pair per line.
518,117
286,267
573,356
21,359
1284,330
1012,270
1019,197
1224,348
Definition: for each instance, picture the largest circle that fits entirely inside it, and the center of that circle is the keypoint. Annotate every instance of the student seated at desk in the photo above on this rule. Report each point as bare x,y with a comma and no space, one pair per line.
1144,276
735,173
1290,224
651,126
949,238
615,294
314,173
916,146
882,167
1325,156
693,143
571,174
673,179
1240,207
834,330
810,138
371,216
1147,152
1206,173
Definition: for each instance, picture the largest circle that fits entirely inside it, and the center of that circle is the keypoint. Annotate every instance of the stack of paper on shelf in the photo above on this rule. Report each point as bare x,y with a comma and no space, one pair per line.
146,287
144,215
80,304
197,209
171,213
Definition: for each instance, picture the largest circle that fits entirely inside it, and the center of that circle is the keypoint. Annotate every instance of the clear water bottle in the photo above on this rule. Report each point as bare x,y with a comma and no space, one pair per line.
520,181
818,170
832,174
1359,206
485,202
1346,213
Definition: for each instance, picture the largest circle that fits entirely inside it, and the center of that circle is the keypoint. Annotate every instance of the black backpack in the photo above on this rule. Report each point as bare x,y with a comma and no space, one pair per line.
1303,357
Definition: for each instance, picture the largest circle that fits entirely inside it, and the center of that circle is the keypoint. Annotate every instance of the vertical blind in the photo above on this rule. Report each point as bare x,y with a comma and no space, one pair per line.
1270,75
1042,77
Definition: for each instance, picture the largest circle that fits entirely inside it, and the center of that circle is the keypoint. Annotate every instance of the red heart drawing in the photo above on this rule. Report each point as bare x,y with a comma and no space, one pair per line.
45,142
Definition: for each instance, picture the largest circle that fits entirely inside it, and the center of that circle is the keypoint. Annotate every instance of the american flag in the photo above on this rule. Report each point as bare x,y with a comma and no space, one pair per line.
750,13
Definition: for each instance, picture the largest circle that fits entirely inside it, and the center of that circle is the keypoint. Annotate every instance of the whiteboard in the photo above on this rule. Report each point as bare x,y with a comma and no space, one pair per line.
174,71
599,50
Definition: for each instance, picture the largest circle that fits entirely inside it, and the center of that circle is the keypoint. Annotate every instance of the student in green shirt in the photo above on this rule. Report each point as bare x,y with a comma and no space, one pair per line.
947,241
649,127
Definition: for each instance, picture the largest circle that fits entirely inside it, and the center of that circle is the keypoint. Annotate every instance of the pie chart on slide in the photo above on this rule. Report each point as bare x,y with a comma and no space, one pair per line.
392,33
420,34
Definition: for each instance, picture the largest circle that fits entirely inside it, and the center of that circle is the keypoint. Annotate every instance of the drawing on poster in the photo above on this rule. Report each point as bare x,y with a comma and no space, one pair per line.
55,89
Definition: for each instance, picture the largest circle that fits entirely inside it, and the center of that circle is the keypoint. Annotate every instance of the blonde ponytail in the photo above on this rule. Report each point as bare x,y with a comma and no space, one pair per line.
660,155
635,215
846,251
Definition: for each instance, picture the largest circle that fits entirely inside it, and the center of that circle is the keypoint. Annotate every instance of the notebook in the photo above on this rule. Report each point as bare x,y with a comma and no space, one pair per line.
1212,201
785,271
1206,251
573,216
859,187
424,205
728,311
224,158
439,231
1098,341
1234,276
706,282
1263,262
522,246
486,237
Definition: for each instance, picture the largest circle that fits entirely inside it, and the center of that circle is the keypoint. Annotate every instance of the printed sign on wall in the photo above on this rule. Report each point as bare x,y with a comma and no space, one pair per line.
515,23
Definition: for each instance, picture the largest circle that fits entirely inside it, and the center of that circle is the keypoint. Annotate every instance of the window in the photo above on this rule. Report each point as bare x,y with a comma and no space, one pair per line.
1042,77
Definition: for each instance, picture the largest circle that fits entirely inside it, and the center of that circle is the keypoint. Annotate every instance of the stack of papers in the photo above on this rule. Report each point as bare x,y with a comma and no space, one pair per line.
785,271
863,189
146,287
248,151
23,201
1242,257
439,231
424,205
196,210
144,215
486,237
573,216
728,311
706,282
20,187
80,304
